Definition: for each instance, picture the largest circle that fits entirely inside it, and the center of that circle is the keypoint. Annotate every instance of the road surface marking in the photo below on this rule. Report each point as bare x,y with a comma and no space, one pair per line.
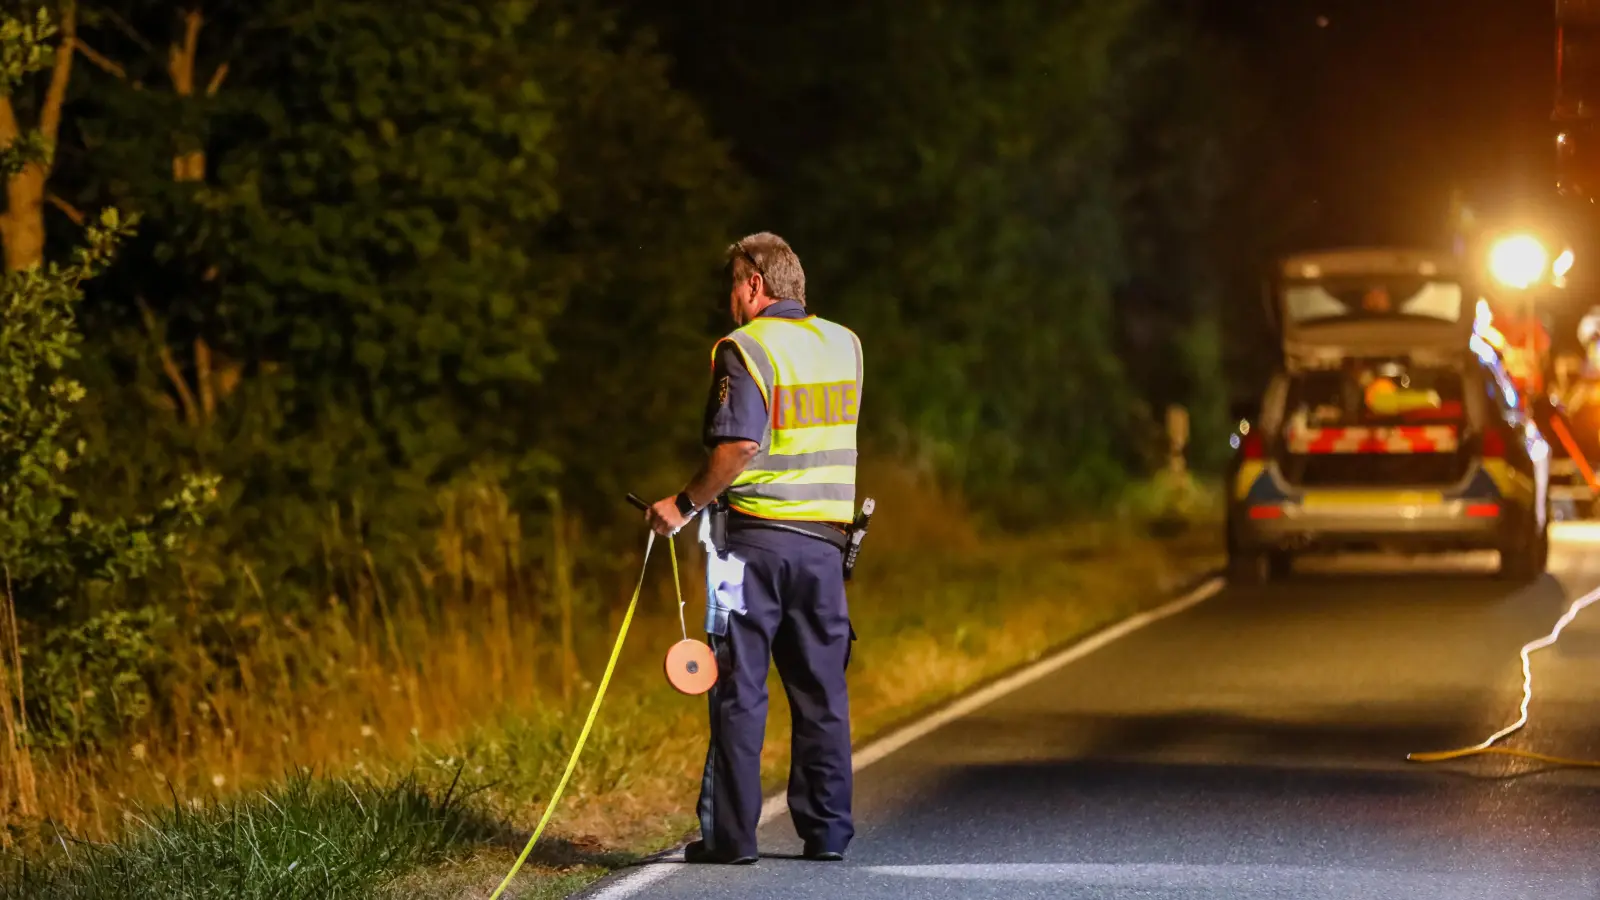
636,881
1255,880
646,875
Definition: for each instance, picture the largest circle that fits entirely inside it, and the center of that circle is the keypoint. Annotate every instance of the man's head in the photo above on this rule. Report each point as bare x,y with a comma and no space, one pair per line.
764,270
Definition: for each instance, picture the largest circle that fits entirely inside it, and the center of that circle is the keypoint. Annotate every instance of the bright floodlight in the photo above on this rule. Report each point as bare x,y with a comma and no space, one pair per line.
1518,261
1563,264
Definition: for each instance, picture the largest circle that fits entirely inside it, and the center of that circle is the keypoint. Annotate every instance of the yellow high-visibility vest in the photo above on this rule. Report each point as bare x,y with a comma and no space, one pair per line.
810,373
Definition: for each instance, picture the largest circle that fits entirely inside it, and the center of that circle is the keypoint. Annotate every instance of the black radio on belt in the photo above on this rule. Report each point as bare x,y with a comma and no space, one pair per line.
856,534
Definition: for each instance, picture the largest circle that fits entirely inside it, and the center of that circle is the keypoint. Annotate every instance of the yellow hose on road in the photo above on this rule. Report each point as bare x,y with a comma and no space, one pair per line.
1487,746
594,708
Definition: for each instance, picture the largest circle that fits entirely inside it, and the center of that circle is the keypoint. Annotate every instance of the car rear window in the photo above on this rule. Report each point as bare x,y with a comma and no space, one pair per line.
1372,393
1373,298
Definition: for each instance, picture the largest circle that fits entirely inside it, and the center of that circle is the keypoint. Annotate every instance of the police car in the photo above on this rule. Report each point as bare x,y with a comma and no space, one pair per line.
1391,424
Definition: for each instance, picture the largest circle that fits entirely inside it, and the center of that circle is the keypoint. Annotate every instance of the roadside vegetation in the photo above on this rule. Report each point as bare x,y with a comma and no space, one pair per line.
335,333
370,805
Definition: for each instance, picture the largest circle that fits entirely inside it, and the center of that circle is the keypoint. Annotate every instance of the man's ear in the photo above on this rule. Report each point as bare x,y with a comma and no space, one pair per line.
758,286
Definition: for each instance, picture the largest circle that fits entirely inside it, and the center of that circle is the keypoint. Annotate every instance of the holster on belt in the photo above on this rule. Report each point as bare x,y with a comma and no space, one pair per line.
717,515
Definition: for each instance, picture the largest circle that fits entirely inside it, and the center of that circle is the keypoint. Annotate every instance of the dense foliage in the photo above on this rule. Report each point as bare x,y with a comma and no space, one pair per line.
382,286
51,543
391,254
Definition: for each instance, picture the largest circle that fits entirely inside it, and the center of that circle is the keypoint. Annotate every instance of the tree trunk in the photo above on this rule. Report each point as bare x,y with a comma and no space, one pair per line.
189,159
22,226
189,166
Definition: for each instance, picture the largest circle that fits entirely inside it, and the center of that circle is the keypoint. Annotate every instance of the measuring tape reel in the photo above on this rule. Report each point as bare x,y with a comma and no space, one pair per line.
691,667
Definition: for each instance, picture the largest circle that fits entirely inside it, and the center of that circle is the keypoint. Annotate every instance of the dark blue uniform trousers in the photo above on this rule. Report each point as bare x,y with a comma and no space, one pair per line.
796,615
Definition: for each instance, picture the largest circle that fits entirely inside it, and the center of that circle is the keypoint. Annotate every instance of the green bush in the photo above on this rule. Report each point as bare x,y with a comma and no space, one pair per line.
88,682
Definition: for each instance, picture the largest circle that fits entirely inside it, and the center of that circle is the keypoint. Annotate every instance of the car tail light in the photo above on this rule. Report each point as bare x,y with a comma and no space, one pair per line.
1252,448
1494,444
1266,512
1483,510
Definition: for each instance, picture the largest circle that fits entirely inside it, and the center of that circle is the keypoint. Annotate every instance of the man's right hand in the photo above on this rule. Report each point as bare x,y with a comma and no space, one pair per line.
664,517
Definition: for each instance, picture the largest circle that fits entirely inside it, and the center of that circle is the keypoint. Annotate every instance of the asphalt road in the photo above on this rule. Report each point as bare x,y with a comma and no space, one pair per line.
1252,746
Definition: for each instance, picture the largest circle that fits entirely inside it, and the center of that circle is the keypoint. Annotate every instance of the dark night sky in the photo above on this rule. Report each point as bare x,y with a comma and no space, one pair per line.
1392,102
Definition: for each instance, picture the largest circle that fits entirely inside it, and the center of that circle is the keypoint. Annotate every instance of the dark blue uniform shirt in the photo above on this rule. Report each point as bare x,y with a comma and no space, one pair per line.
736,410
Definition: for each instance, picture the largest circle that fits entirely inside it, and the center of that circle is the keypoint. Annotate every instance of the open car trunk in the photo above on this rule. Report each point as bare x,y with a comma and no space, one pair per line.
1378,302
1375,423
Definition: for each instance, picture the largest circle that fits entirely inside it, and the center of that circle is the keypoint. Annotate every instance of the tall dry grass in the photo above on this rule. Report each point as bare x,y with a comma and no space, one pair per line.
18,789
391,664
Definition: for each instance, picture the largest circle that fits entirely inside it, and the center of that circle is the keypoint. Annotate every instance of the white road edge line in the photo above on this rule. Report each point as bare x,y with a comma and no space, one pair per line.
634,882
646,875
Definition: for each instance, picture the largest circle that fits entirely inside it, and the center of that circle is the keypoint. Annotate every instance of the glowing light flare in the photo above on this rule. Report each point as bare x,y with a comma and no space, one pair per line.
1519,261
1563,264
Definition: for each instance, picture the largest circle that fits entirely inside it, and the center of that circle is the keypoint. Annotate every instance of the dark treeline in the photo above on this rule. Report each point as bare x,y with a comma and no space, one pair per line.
391,253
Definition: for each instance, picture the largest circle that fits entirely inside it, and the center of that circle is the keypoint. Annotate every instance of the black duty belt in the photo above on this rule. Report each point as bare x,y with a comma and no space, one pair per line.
822,531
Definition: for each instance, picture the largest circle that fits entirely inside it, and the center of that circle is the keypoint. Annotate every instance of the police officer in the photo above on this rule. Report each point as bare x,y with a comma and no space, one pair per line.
781,429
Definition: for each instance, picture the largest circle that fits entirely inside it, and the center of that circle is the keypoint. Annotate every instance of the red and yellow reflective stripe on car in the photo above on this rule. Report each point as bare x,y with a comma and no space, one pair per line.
1249,472
1397,439
1511,484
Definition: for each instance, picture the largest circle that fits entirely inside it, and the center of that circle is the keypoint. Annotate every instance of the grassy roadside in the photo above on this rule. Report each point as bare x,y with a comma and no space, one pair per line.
937,609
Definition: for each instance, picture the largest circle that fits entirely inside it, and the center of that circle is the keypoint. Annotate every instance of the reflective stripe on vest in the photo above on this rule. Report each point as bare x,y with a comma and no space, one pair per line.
810,373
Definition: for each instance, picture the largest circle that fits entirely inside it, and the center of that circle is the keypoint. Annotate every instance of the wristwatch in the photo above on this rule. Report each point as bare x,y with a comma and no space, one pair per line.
685,505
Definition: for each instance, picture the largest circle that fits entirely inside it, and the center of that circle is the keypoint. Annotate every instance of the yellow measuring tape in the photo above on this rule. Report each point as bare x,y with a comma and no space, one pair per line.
1487,746
594,708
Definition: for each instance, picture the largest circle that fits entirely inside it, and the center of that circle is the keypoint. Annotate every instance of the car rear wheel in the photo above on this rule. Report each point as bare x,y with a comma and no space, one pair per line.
1259,567
1516,564
1526,556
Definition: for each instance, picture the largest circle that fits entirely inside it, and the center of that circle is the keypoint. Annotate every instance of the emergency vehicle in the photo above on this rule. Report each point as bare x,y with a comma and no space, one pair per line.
1392,424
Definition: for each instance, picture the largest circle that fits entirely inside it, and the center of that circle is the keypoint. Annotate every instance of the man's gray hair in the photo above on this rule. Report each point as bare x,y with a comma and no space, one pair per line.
774,260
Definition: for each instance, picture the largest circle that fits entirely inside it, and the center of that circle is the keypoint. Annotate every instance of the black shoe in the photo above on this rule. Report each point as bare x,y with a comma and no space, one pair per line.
696,852
817,854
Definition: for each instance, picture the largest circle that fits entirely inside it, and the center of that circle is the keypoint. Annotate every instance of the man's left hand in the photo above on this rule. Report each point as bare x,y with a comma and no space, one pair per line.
664,517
